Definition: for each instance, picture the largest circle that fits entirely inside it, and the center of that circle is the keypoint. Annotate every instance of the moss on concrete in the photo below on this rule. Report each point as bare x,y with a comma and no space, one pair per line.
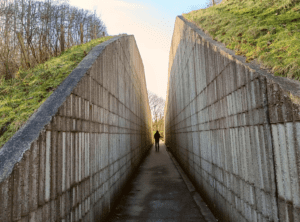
22,96
266,30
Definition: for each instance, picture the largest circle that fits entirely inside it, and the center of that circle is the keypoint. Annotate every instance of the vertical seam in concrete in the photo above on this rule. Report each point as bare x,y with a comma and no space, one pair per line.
273,152
108,152
38,174
12,194
196,105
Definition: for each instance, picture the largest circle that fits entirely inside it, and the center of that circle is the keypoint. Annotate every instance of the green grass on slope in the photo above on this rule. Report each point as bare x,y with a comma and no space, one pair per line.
21,97
266,30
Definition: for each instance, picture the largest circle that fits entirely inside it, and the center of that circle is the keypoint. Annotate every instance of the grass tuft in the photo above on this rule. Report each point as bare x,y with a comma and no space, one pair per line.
265,30
22,96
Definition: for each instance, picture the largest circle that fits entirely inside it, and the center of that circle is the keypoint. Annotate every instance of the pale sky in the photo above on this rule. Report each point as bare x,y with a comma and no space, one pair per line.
152,23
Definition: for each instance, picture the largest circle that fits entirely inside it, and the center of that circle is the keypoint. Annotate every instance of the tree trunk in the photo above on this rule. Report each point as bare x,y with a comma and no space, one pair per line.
62,39
28,29
7,72
81,33
21,42
33,51
21,34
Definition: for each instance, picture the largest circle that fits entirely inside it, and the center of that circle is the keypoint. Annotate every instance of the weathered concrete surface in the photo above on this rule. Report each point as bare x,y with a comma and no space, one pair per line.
234,128
73,156
157,193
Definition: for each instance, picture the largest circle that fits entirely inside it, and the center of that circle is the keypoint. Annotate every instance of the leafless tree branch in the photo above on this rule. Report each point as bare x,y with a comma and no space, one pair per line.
38,24
157,105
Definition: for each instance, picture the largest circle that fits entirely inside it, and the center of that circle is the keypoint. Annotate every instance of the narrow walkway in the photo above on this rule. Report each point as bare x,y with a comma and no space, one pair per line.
157,193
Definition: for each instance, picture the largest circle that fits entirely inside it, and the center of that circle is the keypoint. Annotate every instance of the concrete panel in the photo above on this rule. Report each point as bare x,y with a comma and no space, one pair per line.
242,148
71,164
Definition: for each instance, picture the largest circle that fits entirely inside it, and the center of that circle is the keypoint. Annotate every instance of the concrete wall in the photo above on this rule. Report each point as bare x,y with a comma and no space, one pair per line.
234,128
73,156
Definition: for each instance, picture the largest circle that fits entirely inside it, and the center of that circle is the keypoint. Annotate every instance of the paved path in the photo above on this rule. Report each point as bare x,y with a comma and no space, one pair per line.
157,193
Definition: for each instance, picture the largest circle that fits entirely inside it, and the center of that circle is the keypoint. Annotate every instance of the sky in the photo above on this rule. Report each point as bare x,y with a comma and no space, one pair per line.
152,23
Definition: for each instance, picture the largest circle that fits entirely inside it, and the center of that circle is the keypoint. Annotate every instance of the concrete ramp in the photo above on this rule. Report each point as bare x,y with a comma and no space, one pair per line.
234,128
74,155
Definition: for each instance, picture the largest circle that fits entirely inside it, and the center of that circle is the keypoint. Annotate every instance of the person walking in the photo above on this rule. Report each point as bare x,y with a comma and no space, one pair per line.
156,137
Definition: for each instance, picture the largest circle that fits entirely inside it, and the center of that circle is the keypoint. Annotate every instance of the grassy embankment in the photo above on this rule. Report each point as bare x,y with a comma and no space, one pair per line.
22,96
265,30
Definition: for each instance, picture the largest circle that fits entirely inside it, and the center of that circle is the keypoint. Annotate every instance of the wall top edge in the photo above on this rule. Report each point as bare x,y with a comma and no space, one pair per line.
13,150
289,85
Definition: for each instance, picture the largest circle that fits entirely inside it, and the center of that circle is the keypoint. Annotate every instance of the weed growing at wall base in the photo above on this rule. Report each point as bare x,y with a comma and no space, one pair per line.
267,30
22,96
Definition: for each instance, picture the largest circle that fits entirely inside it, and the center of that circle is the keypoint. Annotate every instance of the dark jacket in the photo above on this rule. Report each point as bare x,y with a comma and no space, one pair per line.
157,136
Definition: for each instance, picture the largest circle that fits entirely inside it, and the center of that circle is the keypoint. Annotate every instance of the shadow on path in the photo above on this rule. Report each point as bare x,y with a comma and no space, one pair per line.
156,193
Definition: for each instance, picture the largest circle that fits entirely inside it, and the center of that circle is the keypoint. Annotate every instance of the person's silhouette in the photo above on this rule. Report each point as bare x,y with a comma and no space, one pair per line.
156,137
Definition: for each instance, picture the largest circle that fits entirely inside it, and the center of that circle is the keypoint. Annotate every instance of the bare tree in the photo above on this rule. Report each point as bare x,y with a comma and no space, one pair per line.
157,105
33,31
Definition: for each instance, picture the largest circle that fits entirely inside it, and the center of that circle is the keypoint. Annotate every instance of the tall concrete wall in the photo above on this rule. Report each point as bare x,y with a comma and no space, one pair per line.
73,156
234,128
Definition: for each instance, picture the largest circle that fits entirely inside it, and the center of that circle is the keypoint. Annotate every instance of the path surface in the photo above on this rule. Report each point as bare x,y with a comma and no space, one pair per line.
157,193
